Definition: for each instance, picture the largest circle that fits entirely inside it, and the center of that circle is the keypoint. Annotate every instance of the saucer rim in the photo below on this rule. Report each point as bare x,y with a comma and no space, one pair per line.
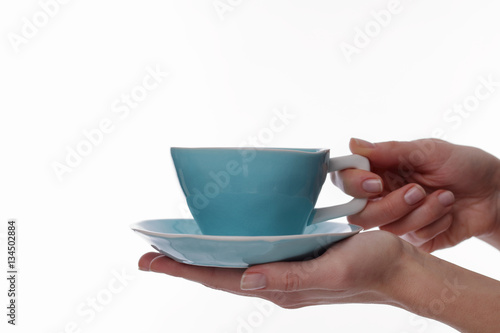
137,228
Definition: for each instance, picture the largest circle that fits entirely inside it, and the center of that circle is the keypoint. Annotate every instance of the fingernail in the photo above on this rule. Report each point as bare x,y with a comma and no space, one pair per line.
414,195
446,198
372,185
253,281
364,144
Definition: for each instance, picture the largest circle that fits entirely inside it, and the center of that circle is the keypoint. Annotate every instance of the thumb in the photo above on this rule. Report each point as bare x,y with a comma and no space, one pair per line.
284,276
393,153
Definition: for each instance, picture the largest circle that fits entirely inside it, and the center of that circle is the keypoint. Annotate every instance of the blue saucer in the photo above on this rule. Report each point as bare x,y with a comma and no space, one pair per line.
181,240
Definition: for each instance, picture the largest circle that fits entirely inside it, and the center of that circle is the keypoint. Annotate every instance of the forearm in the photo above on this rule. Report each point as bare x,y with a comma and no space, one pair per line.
437,289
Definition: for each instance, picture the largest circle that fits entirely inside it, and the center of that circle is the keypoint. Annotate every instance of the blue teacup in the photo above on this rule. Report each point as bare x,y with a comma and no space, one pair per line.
260,191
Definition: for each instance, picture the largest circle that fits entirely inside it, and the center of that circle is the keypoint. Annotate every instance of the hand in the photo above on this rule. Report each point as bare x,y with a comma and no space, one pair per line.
457,196
371,267
349,271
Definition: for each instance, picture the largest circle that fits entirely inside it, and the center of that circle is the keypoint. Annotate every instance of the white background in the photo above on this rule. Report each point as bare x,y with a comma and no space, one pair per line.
228,73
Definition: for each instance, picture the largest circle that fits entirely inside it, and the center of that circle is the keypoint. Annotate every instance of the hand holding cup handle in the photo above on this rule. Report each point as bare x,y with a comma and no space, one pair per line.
352,207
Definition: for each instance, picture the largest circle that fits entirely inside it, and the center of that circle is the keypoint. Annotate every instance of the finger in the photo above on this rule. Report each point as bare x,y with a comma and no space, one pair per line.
146,259
218,278
396,153
358,183
434,207
390,208
423,235
287,276
456,233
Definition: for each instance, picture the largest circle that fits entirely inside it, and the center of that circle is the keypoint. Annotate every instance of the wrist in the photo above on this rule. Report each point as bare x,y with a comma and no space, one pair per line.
436,289
397,289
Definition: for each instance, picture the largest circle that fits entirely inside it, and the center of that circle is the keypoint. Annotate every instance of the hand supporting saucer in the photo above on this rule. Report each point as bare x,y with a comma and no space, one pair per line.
181,240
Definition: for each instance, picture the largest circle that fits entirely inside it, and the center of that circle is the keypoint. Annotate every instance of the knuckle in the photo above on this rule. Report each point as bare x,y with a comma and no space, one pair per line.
390,210
432,211
292,281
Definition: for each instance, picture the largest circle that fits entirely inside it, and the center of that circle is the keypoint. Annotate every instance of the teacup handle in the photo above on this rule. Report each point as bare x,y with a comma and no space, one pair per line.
355,205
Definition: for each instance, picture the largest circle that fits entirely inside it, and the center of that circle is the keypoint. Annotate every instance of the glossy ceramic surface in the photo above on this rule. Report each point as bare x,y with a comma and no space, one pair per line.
181,240
255,191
